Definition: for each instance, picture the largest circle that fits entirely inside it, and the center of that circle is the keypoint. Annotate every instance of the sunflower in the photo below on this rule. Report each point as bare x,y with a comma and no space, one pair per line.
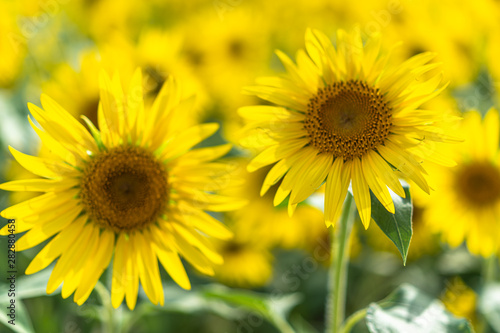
77,91
247,262
466,203
135,189
345,114
461,300
271,225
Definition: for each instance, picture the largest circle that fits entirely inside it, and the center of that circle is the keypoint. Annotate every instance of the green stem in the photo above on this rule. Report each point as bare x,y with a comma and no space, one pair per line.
282,325
489,275
337,274
489,269
353,320
105,297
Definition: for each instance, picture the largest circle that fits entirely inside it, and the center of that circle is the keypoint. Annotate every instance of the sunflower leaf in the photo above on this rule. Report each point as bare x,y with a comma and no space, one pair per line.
397,226
275,309
407,309
18,320
24,287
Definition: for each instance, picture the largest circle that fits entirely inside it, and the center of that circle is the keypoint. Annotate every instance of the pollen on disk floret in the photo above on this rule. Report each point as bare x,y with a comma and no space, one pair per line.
347,119
124,188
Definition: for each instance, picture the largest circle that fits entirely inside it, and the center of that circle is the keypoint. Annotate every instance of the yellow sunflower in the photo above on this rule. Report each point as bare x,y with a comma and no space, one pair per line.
461,300
466,203
135,189
247,262
345,114
271,225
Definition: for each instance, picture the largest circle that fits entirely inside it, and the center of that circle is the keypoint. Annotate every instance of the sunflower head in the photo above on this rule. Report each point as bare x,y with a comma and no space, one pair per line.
135,189
345,114
466,203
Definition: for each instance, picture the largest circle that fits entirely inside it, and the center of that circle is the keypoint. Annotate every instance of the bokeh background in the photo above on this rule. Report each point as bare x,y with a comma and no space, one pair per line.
216,48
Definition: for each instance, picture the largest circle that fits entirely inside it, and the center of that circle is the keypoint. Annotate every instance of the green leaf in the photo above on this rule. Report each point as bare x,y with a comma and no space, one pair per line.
22,319
396,226
489,305
27,286
233,304
35,285
274,308
409,310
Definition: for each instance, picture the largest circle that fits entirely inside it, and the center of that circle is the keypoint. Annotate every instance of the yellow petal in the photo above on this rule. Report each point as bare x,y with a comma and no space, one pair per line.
361,192
135,106
173,265
95,267
74,274
277,172
56,247
188,139
147,266
311,178
207,224
378,188
337,184
275,153
197,156
54,146
37,205
63,133
219,203
39,185
132,273
405,163
111,108
119,279
56,112
64,263
197,240
41,166
386,173
193,256
39,233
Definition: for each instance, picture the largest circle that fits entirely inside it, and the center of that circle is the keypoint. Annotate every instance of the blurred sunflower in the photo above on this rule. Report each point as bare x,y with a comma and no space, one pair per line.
343,114
466,203
271,225
227,54
135,188
12,44
77,91
461,300
247,262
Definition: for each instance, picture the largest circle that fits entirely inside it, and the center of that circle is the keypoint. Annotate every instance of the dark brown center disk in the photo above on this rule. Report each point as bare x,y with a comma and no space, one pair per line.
478,183
124,188
347,119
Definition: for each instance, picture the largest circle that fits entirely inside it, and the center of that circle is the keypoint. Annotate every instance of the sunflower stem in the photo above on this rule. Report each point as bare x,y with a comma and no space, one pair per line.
337,275
489,275
353,320
489,269
108,319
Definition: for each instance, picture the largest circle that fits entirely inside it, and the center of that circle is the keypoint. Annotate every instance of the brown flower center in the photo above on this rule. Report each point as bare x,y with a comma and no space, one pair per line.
124,188
89,109
347,119
478,183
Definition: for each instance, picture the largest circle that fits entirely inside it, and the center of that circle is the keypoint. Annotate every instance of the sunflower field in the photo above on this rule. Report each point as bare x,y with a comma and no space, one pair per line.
249,166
